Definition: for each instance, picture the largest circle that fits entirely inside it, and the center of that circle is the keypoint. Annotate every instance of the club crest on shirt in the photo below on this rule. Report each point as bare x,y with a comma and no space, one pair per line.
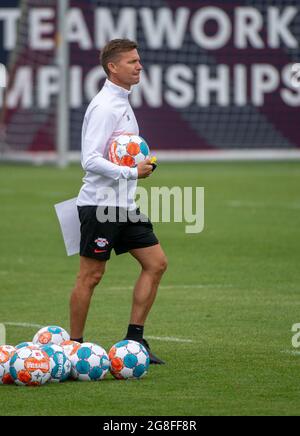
101,242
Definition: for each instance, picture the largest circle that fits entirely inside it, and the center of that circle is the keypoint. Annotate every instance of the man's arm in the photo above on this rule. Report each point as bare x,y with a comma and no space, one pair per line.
100,126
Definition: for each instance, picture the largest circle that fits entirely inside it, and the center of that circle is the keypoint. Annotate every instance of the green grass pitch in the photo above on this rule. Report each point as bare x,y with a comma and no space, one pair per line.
231,291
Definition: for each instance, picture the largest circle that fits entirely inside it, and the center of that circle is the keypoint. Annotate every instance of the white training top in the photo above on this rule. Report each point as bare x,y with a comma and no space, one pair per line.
108,116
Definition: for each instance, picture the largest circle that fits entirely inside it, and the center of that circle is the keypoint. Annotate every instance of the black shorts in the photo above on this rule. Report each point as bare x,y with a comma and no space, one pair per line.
98,238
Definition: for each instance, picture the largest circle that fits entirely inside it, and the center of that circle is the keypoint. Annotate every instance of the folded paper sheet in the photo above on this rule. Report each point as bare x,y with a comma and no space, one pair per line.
70,225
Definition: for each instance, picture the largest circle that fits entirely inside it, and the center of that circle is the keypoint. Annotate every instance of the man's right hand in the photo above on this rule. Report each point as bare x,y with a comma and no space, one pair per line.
144,169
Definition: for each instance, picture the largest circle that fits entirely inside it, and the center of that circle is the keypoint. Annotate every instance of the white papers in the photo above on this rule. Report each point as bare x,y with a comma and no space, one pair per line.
70,225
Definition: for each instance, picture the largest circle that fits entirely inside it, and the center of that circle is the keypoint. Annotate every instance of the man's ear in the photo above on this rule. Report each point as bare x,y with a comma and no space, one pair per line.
112,67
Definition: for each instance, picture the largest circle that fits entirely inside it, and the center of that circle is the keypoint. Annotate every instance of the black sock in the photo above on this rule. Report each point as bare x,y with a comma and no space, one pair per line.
80,340
135,332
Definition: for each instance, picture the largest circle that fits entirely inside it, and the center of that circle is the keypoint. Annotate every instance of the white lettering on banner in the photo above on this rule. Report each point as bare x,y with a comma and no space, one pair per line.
3,76
199,20
240,88
10,17
76,94
77,30
178,85
149,89
291,97
91,87
249,22
39,28
266,79
184,93
278,26
21,92
48,85
218,85
295,73
106,28
162,27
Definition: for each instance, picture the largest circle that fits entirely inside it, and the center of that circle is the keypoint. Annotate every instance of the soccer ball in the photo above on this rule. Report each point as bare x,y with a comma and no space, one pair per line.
60,364
89,363
6,353
128,150
128,360
30,366
26,344
51,335
70,347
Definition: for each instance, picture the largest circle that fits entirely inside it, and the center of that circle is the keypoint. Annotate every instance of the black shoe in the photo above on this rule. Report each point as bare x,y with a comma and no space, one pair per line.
154,360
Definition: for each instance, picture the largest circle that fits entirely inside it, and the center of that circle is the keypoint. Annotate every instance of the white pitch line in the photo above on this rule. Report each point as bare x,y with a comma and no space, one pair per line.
128,288
250,204
29,325
195,286
23,324
291,352
170,339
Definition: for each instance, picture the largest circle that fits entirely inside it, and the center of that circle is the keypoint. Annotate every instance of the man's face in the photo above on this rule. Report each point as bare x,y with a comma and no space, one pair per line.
127,69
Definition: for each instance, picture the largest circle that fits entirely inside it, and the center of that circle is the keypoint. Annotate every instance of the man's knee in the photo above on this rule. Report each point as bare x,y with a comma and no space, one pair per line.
159,266
95,278
90,279
163,265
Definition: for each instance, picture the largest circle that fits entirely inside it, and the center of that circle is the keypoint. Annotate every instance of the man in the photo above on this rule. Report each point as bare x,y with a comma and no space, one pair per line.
109,115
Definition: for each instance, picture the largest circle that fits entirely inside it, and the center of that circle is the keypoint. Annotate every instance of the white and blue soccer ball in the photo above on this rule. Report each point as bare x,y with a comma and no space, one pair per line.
30,366
51,335
60,364
128,360
70,347
26,344
89,362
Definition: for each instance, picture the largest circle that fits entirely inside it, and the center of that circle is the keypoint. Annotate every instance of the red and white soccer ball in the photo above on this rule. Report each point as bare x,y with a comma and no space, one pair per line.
51,335
6,353
30,366
128,150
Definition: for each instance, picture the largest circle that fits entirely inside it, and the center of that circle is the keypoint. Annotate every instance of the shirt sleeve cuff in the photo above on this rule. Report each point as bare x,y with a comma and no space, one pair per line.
133,173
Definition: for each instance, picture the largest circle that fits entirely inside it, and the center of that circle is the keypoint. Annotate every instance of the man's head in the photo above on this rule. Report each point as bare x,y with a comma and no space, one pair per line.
121,62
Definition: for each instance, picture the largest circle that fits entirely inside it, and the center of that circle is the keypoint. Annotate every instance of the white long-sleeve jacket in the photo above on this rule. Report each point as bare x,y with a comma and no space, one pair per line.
108,116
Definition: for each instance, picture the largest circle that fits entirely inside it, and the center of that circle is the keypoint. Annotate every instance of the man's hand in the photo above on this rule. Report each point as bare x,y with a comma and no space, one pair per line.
144,169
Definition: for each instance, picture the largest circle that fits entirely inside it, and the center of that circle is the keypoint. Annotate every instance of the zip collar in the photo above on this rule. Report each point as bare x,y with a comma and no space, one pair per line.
117,90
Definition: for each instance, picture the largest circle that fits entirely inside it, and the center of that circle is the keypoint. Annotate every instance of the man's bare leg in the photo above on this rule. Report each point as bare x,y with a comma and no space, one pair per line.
154,264
90,274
